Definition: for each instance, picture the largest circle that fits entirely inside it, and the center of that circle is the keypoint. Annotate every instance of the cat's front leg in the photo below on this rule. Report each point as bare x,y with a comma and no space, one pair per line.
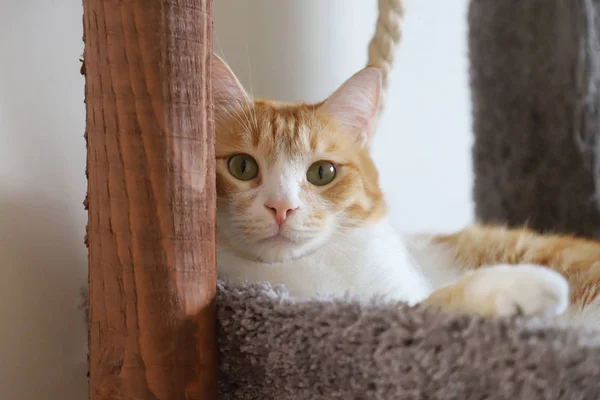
505,291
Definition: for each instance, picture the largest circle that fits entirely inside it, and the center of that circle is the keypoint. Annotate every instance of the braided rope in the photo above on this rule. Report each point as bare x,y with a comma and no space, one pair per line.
386,39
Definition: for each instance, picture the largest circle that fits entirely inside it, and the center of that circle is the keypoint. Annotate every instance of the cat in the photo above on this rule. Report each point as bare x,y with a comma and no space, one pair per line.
299,204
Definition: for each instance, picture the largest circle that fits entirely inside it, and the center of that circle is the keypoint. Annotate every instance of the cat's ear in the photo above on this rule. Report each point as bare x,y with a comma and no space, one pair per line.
228,92
354,105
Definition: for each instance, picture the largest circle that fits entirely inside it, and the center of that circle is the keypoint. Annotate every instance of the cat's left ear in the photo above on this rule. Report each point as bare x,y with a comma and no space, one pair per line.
353,106
228,92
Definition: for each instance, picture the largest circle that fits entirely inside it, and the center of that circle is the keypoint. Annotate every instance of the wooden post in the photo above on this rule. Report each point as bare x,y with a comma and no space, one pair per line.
151,199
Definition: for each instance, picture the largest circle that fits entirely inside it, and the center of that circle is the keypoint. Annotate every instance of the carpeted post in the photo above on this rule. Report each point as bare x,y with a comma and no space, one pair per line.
535,74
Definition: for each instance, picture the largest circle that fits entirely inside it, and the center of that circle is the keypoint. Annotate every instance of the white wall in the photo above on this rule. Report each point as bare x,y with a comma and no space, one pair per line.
42,185
296,50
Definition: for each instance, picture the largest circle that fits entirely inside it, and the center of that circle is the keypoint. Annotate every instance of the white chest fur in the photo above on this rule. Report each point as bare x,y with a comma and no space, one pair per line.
368,262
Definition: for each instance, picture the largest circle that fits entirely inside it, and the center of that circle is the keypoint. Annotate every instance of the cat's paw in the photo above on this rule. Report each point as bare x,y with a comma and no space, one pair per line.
506,291
527,290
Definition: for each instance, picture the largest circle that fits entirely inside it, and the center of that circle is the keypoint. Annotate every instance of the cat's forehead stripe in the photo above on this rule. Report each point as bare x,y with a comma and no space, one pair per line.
283,131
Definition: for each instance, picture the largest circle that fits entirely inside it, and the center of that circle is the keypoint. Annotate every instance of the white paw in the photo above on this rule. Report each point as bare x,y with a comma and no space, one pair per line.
527,290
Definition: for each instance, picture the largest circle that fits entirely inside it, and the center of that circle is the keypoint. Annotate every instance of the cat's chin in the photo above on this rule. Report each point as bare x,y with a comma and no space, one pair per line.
274,252
277,249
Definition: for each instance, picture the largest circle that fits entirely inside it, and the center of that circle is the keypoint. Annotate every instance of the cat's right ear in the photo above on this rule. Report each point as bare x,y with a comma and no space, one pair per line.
353,106
227,90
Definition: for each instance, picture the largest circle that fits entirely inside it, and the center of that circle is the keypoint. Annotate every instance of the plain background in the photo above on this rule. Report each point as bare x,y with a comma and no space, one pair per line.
285,49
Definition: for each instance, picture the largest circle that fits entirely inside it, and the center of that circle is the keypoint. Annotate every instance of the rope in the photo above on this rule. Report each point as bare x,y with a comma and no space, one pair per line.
386,39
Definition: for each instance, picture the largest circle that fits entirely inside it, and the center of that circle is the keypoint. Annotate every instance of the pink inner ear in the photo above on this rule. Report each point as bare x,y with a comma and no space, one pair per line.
354,105
227,90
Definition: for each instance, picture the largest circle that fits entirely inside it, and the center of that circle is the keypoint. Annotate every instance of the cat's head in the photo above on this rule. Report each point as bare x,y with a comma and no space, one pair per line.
293,177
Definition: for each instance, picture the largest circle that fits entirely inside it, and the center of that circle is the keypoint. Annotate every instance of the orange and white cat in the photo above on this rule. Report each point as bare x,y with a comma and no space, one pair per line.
299,204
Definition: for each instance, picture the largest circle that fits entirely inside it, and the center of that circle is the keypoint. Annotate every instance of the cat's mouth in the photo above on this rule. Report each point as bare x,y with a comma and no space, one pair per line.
278,239
280,248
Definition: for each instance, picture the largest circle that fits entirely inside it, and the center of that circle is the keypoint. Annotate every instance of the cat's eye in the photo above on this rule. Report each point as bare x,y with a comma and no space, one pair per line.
243,167
321,173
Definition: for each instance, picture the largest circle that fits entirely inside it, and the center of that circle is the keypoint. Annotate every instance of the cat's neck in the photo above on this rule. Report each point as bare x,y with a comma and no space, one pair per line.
364,262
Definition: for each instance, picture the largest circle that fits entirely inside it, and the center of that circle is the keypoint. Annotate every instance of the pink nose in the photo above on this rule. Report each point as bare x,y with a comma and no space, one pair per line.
281,210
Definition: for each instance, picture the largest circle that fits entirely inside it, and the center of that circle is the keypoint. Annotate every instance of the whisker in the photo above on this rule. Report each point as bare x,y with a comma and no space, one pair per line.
254,118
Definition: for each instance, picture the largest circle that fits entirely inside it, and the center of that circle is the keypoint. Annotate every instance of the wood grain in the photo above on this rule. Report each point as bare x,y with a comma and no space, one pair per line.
151,199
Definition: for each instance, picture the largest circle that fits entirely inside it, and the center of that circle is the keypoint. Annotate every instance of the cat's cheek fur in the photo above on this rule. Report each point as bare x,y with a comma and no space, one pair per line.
246,229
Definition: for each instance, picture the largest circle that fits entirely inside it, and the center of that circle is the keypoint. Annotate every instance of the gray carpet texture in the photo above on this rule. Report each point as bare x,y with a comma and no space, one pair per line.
272,347
535,79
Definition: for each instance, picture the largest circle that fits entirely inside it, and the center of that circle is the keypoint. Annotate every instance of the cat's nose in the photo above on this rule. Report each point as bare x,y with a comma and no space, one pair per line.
280,210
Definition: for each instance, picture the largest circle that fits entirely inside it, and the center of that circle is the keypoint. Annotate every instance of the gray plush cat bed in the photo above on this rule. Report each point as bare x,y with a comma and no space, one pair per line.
272,347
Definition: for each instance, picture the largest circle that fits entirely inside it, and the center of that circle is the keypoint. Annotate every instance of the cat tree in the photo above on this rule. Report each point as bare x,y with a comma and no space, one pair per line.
151,199
151,240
